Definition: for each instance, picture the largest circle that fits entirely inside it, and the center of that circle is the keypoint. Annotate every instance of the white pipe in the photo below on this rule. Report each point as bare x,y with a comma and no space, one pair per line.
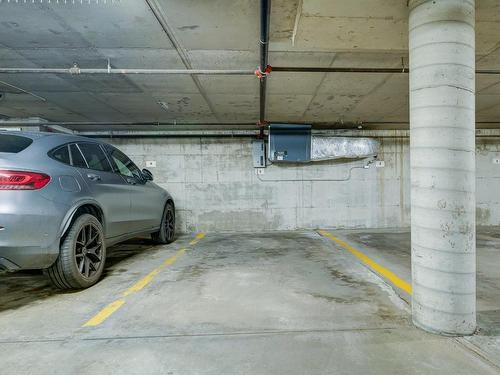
166,133
442,148
76,70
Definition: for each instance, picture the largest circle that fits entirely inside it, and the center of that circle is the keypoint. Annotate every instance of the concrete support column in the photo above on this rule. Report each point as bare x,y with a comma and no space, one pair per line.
442,146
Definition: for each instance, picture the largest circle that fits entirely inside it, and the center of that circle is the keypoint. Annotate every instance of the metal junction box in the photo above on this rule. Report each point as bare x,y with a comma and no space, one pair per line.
259,153
289,143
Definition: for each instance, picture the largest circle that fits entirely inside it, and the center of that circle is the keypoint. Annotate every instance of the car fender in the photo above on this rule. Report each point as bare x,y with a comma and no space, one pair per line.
167,197
71,213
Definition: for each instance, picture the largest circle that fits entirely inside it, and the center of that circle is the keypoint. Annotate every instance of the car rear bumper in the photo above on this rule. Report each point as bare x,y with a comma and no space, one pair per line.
27,257
29,230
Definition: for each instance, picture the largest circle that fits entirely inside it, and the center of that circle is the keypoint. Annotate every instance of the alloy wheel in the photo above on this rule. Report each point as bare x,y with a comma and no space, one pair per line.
169,225
88,250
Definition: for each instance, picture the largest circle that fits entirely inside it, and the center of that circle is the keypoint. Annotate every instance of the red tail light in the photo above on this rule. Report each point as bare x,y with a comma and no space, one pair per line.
20,180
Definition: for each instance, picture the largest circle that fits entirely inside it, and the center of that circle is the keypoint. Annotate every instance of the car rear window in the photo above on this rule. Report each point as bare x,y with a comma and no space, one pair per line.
76,155
62,154
13,143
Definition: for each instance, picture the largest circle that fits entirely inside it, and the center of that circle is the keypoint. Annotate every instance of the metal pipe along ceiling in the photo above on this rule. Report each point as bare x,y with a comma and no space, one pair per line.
300,69
265,15
75,70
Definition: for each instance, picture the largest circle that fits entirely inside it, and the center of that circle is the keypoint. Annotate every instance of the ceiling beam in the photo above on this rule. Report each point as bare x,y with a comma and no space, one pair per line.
156,9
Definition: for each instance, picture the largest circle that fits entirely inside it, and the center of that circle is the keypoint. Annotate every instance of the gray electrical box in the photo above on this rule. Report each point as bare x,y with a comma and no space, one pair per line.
259,153
289,143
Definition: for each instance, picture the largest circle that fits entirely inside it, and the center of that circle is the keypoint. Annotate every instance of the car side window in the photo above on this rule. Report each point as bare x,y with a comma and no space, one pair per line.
95,157
123,164
77,159
62,154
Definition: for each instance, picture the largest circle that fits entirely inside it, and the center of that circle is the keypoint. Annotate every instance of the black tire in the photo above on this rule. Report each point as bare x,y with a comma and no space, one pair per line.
166,234
81,257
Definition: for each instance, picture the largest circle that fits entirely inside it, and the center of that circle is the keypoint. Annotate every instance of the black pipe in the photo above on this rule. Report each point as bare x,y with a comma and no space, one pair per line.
265,16
487,71
263,92
300,69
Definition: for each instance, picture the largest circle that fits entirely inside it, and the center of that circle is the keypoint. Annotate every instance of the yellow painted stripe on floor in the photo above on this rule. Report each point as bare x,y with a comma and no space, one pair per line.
102,315
142,282
173,259
384,272
149,277
105,313
197,239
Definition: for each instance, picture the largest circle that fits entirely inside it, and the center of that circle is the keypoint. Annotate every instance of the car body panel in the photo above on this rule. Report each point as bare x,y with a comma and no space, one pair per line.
29,238
32,222
112,192
145,209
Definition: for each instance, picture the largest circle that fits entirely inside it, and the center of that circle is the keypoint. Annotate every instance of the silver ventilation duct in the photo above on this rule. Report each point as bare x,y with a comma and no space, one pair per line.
327,148
296,144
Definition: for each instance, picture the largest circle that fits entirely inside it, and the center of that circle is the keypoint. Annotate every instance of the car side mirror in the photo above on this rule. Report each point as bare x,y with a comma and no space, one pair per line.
147,175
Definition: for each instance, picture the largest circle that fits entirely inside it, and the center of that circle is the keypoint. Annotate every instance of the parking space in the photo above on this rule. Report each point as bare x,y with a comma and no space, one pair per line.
31,293
392,249
287,302
229,187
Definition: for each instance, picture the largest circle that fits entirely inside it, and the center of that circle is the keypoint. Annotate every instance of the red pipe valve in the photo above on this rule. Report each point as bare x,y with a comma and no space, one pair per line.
261,74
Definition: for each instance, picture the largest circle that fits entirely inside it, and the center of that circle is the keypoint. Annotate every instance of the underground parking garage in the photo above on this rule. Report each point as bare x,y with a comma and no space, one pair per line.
250,187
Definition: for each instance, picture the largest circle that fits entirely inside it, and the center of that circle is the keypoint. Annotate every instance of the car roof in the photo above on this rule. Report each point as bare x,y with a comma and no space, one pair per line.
34,135
31,135
50,140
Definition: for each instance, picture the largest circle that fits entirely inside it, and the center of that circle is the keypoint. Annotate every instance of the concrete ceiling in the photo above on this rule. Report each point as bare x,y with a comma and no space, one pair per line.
221,34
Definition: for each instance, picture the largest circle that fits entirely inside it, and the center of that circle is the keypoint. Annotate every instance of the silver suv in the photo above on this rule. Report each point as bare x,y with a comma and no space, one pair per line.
64,199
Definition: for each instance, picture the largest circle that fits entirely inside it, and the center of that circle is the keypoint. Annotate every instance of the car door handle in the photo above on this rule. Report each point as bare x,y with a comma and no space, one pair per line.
94,177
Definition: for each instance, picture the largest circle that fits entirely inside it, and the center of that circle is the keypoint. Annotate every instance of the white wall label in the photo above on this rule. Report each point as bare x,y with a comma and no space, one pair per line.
259,170
150,163
380,164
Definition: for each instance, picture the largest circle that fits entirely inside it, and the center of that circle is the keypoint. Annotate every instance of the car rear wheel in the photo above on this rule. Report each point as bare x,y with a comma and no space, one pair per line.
166,234
82,255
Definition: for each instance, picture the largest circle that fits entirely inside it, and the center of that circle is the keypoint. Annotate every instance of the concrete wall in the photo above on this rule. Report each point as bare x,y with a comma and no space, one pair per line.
216,189
487,181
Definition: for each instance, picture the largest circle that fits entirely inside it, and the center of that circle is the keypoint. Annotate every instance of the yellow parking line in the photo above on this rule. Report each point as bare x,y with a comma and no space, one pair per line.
110,309
149,277
102,315
374,266
198,238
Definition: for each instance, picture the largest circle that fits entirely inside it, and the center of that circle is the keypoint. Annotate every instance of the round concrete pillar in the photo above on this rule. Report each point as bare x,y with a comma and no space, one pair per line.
442,148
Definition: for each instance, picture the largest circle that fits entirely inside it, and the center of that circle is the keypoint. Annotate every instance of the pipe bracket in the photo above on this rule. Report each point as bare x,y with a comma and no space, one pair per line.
75,69
263,74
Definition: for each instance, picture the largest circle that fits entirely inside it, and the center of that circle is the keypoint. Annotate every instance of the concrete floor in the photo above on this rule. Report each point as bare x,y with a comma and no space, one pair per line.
273,303
391,248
